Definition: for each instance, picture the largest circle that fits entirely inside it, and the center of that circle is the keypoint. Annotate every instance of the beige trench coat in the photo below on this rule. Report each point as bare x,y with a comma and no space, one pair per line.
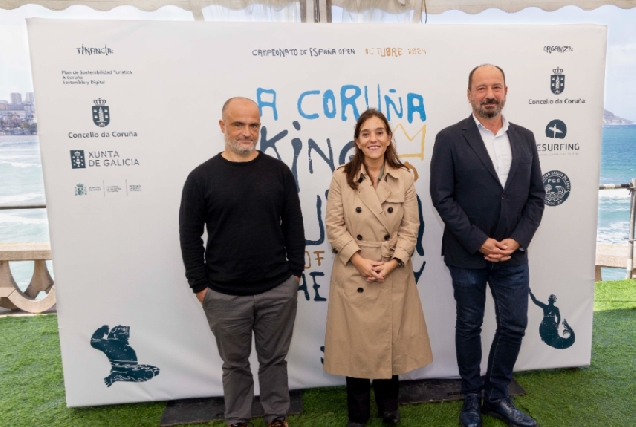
374,330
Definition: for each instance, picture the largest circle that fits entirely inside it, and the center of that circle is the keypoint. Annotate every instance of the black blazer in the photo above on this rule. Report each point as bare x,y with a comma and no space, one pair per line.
471,201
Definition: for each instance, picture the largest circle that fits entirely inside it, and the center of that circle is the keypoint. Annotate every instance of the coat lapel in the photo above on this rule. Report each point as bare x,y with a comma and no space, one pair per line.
373,200
472,136
515,151
383,191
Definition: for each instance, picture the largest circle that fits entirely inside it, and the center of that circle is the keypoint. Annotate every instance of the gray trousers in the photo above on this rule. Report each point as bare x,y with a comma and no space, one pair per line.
232,319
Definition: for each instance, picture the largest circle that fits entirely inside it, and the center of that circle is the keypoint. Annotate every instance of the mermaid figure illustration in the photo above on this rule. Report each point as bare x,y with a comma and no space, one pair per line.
549,328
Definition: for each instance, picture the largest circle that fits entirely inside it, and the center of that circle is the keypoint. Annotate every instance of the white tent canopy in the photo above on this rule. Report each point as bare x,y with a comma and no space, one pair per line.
319,10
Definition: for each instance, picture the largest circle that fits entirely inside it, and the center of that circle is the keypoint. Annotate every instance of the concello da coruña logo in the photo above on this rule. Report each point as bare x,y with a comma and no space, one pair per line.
557,81
101,113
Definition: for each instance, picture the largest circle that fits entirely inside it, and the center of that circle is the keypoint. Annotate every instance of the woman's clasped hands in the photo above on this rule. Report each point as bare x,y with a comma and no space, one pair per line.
374,271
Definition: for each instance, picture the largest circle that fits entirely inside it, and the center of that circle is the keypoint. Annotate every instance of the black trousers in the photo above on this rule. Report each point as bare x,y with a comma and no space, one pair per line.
359,397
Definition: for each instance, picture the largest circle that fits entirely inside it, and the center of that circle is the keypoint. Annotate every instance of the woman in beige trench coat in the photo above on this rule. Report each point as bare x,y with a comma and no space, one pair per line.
375,323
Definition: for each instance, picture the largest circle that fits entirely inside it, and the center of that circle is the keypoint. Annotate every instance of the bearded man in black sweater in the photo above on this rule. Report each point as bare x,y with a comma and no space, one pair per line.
247,276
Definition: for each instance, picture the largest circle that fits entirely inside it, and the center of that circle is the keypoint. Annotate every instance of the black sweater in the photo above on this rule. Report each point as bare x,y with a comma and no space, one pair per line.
255,227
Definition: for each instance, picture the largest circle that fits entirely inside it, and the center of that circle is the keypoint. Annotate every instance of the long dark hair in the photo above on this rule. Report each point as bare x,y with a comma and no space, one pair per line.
352,168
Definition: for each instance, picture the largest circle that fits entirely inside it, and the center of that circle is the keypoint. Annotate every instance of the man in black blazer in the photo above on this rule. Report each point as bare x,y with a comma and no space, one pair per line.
487,186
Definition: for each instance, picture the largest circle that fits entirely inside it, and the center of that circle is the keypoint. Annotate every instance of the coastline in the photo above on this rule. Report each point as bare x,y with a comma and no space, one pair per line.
17,137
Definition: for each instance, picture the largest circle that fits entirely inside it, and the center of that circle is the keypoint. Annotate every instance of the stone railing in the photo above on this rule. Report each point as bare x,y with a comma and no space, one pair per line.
613,256
620,256
11,296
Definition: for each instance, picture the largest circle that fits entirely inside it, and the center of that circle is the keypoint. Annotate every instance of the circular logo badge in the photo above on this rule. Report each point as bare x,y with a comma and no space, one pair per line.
557,187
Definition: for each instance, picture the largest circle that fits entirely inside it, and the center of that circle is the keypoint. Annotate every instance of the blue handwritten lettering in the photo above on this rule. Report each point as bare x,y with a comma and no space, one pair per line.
342,159
321,226
300,104
329,160
316,286
413,108
418,274
271,143
390,103
419,247
327,97
266,103
349,100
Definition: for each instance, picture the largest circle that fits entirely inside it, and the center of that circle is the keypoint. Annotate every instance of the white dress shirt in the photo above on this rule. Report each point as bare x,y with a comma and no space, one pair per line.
498,147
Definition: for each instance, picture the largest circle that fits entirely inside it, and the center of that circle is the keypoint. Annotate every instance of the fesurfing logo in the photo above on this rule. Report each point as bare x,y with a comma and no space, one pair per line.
556,129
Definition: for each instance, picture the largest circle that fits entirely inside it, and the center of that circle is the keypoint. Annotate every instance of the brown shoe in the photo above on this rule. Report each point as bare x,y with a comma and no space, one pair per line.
278,422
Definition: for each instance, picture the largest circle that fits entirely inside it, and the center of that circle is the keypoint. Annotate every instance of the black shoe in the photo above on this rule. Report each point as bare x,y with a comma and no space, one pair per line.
352,424
391,418
505,410
471,414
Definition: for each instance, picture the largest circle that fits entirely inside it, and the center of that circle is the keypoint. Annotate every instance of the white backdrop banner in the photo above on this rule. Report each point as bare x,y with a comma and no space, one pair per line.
127,109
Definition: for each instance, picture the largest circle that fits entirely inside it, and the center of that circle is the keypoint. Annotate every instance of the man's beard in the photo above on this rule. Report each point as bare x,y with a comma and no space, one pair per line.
489,114
236,148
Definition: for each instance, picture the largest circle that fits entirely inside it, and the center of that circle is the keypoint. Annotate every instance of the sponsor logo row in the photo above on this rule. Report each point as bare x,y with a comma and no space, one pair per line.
106,189
556,183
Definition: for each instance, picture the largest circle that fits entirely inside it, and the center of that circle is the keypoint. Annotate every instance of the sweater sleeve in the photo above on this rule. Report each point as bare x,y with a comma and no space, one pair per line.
191,225
292,225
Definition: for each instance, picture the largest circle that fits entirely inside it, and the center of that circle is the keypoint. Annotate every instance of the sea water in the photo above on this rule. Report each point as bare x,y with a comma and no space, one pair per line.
21,182
618,166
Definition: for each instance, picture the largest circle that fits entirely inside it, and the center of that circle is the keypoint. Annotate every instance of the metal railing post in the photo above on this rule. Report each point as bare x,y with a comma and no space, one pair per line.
632,225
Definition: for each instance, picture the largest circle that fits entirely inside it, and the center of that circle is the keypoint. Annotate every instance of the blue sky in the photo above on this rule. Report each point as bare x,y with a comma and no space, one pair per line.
620,84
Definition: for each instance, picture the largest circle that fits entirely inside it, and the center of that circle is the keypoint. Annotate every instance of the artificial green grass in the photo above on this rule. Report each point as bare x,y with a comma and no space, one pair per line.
601,395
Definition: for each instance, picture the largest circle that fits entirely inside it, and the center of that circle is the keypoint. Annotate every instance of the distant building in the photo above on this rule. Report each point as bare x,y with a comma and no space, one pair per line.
30,98
16,114
16,98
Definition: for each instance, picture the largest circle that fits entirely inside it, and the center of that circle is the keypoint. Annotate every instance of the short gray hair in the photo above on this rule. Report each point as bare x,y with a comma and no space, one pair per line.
232,99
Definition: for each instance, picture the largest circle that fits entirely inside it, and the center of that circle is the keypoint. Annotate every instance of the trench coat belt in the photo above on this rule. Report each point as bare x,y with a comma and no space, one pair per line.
387,247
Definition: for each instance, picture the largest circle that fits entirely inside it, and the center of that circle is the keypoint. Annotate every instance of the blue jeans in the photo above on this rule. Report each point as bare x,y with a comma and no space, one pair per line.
509,286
